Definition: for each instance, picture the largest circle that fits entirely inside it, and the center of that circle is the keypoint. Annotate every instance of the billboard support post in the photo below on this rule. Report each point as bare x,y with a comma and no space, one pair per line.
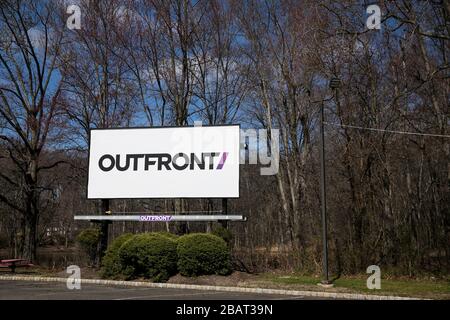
224,223
104,228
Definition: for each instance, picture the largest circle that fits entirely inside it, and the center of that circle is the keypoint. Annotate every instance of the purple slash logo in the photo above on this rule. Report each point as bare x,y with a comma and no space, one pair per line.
222,161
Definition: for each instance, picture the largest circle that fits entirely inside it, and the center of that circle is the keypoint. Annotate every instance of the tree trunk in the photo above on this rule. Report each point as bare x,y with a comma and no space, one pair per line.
29,236
29,245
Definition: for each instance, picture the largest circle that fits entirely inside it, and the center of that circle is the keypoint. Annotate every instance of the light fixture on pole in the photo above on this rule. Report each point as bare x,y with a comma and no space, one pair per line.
334,85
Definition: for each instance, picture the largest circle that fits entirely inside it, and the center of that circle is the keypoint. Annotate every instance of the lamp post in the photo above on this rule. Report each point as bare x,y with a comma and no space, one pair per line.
323,199
334,85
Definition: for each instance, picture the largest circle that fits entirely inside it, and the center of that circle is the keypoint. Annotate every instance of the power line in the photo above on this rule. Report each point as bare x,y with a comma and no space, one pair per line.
390,131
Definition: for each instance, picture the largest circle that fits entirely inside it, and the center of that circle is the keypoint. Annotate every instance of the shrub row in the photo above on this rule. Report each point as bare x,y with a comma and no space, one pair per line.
160,255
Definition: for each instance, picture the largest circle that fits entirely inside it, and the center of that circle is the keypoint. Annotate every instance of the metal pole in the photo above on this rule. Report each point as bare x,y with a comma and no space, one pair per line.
224,223
104,226
323,198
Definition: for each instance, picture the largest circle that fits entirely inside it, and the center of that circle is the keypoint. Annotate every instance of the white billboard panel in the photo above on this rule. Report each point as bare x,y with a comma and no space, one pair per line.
166,162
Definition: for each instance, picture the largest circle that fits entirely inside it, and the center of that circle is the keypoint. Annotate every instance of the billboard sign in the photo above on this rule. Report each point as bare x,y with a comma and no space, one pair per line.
164,162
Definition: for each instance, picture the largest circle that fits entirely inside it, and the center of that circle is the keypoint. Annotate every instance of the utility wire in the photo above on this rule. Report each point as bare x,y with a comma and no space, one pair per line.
384,130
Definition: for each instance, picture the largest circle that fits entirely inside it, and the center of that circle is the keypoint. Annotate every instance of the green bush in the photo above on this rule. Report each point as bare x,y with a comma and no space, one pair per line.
111,266
167,235
223,233
88,240
201,254
149,255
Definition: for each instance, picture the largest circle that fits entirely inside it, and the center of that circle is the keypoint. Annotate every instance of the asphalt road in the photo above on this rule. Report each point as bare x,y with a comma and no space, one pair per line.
24,290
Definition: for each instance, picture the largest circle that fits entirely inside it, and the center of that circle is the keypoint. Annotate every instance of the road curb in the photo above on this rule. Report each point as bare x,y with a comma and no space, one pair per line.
318,294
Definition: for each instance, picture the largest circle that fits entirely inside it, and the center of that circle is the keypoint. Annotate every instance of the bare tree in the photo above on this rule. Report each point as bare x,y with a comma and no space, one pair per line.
29,92
98,86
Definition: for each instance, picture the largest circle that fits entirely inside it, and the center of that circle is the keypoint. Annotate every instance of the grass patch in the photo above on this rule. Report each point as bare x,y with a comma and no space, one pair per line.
424,288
